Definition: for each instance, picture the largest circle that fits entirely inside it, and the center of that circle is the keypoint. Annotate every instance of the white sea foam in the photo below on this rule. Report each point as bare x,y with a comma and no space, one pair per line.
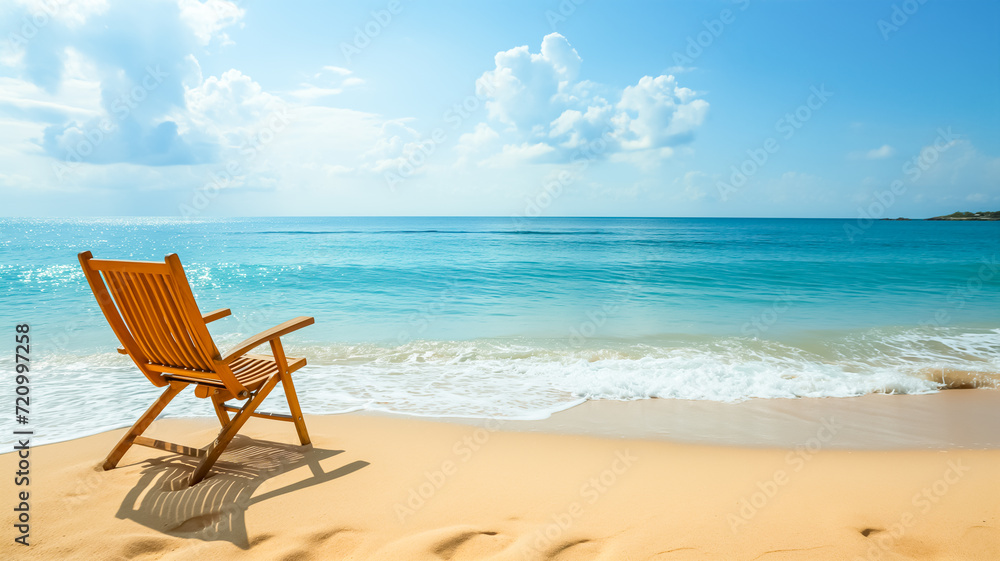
531,380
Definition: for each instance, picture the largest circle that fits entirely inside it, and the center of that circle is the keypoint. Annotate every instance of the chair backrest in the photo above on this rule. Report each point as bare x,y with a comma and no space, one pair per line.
153,312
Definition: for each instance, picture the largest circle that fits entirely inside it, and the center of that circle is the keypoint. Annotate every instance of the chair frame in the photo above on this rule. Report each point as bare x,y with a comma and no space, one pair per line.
218,381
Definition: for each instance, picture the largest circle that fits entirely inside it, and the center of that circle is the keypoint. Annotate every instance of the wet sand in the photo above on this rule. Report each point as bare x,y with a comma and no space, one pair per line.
953,419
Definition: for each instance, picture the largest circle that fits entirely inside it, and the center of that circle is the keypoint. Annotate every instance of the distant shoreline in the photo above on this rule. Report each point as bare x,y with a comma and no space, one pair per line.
961,216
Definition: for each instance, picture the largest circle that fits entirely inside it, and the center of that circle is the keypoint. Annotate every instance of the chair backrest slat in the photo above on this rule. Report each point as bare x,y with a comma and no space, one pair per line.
152,310
133,317
157,286
170,351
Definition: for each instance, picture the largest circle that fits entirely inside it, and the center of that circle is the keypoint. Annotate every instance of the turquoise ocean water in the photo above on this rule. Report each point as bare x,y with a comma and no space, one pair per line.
491,317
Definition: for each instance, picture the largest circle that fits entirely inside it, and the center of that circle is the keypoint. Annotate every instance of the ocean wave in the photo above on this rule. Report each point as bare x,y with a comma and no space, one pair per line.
531,379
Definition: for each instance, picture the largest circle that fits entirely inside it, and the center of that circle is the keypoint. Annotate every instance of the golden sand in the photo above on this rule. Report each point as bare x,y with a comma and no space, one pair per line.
386,488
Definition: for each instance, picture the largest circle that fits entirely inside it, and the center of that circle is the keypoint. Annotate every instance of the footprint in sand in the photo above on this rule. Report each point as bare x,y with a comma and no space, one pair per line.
454,543
144,548
577,549
259,539
328,544
470,545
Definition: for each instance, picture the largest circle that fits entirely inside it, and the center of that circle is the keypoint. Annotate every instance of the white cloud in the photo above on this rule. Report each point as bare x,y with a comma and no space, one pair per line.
657,113
880,153
522,86
208,18
78,97
230,126
396,145
72,13
472,143
330,80
574,128
135,59
228,103
335,70
277,144
29,18
549,114
516,154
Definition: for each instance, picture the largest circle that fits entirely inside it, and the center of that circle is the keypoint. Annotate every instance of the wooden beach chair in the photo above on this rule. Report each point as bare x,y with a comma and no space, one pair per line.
152,310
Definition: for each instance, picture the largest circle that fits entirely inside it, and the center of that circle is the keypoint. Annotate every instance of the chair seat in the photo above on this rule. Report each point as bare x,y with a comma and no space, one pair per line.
250,369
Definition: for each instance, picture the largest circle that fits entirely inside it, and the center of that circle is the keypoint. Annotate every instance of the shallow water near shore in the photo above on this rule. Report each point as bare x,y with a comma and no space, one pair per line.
487,317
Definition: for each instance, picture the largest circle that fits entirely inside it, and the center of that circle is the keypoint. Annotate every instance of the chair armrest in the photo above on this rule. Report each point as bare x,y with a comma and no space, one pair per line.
217,314
266,336
209,317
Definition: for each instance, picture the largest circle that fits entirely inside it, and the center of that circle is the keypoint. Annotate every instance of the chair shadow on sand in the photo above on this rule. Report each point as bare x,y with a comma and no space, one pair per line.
215,508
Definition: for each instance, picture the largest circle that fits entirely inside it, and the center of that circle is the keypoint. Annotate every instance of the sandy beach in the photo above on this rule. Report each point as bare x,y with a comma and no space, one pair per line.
400,488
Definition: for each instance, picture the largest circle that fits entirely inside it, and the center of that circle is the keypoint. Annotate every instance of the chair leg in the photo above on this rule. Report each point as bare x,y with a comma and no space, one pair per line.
286,383
142,424
221,413
229,431
293,406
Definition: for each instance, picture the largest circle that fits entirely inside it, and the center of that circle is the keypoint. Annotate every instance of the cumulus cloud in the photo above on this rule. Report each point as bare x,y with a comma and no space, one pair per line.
472,143
79,96
72,13
110,96
394,149
880,153
229,103
515,154
523,86
657,112
138,54
330,80
208,19
546,112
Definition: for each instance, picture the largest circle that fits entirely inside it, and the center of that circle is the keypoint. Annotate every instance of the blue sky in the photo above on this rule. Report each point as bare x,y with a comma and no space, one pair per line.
515,108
